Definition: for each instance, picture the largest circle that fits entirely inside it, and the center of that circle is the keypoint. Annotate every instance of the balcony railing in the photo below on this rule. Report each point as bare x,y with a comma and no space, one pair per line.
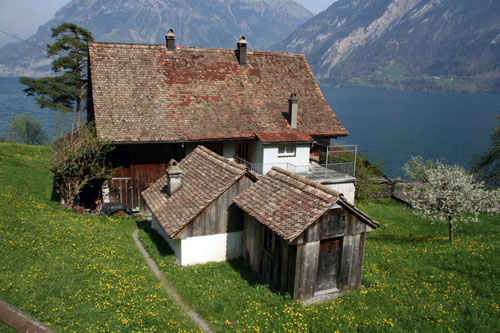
314,172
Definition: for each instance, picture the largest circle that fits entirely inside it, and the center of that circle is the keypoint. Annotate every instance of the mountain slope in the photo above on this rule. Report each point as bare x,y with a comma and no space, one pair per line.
422,44
211,23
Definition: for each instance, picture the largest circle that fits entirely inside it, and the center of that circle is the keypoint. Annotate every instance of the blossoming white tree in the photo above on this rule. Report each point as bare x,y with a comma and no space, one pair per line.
447,193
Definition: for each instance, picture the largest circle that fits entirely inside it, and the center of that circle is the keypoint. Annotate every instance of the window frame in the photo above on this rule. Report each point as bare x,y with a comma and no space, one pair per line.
284,146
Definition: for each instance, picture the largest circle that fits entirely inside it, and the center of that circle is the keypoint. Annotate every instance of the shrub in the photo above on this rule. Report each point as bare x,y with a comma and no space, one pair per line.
26,129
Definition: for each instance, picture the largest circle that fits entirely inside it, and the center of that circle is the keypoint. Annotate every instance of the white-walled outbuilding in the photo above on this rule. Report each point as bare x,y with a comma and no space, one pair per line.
195,214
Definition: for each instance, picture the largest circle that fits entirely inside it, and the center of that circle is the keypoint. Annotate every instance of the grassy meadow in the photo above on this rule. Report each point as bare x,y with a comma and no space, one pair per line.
414,280
84,273
75,273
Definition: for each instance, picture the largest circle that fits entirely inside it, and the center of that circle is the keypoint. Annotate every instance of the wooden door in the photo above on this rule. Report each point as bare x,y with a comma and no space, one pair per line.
329,264
242,150
120,191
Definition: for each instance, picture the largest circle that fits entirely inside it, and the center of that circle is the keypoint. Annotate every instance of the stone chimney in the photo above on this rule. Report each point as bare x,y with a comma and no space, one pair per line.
174,177
242,51
170,39
293,109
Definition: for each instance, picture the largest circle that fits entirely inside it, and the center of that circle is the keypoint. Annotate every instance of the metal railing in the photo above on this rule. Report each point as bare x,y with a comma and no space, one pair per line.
310,171
341,158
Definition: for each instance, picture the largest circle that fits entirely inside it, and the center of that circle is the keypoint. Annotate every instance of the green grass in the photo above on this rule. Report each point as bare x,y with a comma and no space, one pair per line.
414,280
84,273
75,273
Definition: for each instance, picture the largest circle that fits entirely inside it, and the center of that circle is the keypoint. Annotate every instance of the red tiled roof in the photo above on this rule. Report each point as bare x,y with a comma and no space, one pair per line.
144,93
288,204
284,136
206,176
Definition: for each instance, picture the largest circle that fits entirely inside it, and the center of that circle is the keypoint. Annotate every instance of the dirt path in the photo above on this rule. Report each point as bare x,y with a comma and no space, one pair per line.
168,287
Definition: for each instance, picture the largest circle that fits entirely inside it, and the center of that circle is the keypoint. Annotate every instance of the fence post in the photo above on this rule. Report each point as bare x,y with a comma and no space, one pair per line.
20,321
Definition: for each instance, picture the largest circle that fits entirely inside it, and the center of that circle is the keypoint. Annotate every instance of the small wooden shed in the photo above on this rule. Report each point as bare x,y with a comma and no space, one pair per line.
192,207
302,237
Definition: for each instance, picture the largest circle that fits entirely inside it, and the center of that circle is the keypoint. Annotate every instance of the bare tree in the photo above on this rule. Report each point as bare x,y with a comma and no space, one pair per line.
79,157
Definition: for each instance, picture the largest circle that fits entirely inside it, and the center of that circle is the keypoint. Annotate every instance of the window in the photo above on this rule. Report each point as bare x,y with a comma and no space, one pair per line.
286,149
269,241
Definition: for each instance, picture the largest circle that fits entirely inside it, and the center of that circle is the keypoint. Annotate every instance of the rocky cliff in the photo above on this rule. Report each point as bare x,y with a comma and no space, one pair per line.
210,23
416,44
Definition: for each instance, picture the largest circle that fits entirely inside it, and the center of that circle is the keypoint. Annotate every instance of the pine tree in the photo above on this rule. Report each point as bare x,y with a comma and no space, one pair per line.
65,92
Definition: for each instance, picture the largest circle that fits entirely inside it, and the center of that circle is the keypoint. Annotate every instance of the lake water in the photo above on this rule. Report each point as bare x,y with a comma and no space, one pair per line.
399,124
394,125
14,101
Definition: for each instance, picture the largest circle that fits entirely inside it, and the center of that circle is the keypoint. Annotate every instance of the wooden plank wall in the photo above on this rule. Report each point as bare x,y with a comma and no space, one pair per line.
352,262
221,216
306,270
334,223
277,269
143,164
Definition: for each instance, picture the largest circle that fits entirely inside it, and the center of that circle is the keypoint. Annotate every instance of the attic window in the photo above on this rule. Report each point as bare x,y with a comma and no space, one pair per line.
286,150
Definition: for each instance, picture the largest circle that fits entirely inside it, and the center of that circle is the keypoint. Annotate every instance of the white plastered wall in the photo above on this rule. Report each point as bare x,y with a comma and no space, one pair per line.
300,160
203,249
348,189
228,150
257,151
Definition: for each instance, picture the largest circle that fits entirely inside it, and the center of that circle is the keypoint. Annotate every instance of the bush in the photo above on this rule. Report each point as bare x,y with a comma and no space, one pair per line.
368,175
79,159
26,129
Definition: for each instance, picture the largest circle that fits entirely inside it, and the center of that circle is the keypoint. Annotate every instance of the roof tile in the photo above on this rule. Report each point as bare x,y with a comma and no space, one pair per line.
143,93
206,176
288,204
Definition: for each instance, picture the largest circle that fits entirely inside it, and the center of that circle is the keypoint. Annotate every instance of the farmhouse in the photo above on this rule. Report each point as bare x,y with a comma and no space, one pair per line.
192,207
302,237
159,102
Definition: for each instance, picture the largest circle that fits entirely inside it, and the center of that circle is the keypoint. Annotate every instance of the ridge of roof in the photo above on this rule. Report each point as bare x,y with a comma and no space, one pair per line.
221,158
332,192
193,48
309,182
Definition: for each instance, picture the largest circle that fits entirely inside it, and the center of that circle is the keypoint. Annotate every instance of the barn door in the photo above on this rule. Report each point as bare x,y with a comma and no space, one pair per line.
120,191
329,264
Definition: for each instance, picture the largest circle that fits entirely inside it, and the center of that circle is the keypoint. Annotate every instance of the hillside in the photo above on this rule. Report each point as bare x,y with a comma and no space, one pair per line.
84,273
416,44
208,23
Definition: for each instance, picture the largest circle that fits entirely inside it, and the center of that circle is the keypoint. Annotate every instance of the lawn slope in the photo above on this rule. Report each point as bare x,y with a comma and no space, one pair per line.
75,273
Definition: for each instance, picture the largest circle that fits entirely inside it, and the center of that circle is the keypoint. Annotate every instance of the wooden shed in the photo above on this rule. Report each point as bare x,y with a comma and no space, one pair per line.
192,207
302,237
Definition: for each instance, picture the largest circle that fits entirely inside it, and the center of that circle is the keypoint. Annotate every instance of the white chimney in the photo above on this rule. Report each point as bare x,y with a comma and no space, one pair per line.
174,177
293,109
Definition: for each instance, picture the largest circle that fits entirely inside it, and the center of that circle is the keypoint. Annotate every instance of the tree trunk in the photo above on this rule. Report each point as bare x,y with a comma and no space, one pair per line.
78,112
451,227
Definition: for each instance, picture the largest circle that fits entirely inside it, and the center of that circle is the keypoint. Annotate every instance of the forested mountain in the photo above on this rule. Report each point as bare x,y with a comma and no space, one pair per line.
210,23
416,44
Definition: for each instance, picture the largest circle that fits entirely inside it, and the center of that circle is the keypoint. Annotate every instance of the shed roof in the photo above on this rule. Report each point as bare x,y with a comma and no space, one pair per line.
206,176
144,93
288,204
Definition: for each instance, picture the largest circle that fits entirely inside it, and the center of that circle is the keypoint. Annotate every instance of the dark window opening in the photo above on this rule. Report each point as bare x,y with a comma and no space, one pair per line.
269,242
